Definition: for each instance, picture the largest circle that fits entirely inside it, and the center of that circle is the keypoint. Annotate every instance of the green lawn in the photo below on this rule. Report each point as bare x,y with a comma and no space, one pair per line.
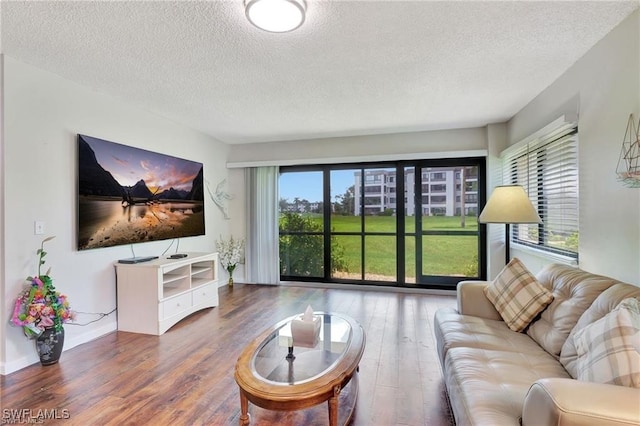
442,254
388,223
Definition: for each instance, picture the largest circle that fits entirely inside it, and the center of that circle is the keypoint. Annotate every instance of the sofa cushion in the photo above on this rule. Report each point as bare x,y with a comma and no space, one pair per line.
609,349
517,295
454,330
488,387
573,292
604,303
473,301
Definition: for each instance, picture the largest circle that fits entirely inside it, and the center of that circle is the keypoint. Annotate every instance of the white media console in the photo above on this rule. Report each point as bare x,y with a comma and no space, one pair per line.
155,295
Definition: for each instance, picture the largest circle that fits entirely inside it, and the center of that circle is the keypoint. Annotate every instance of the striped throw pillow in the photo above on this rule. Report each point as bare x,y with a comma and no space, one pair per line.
609,348
517,295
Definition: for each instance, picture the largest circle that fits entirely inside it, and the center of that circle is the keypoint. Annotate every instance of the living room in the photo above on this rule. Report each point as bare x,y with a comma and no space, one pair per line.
42,113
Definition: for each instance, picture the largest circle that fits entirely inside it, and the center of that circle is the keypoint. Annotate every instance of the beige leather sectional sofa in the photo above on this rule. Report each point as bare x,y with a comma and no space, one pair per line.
496,376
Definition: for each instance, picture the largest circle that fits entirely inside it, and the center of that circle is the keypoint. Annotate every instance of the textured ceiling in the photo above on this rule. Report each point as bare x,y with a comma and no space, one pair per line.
353,68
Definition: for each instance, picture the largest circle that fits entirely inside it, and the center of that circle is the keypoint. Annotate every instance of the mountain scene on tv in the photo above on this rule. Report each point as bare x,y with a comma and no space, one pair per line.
130,195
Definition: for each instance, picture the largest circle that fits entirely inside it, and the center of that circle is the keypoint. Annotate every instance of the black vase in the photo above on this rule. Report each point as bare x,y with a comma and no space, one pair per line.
49,345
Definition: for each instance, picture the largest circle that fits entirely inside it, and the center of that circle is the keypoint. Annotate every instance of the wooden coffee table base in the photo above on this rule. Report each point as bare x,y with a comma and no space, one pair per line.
271,381
341,414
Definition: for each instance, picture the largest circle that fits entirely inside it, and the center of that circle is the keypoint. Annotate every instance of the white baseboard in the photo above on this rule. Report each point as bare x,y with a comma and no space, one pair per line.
69,343
368,287
92,335
19,364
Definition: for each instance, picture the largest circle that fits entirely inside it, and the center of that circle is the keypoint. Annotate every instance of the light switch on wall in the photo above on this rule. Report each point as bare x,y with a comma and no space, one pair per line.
39,227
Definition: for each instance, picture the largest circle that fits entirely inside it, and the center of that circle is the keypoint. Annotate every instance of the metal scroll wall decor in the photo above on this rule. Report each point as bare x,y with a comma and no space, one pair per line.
220,197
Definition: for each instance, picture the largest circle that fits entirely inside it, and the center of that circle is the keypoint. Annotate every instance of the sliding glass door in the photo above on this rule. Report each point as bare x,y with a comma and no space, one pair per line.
442,228
406,223
362,224
301,224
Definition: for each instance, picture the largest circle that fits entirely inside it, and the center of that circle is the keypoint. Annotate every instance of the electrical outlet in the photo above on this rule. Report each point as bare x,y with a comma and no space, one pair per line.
39,227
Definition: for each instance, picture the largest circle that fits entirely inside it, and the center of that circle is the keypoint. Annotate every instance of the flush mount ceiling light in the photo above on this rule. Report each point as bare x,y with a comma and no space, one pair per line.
276,16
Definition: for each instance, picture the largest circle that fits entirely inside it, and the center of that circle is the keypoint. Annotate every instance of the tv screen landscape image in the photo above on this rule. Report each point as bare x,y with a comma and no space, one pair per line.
129,195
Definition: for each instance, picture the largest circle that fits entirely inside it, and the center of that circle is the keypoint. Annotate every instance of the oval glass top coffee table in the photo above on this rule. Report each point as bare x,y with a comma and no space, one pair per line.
272,379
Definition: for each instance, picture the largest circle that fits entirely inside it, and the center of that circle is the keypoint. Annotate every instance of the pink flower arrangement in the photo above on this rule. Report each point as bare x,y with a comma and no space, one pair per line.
40,306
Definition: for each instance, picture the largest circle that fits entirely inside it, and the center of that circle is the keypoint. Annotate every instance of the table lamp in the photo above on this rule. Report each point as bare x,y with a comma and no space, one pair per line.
509,204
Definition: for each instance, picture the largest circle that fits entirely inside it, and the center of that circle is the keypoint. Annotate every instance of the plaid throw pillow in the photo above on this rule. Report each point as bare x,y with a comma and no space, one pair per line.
517,295
609,349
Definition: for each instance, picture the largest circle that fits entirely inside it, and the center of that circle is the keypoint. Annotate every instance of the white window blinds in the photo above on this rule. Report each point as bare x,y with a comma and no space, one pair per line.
546,165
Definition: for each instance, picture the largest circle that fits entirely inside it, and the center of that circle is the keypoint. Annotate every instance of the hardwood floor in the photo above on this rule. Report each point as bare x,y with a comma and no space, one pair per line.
185,377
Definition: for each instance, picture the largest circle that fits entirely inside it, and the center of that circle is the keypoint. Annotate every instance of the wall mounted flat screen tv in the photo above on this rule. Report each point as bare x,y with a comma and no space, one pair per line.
129,195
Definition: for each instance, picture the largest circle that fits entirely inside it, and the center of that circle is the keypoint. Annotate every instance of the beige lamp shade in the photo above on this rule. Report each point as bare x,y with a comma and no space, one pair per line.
509,204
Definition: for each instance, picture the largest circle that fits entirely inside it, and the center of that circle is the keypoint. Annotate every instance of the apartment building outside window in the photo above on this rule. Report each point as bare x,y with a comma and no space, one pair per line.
447,193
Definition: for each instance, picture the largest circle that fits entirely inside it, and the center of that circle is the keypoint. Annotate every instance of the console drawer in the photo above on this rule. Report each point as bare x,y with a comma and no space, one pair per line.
205,294
175,305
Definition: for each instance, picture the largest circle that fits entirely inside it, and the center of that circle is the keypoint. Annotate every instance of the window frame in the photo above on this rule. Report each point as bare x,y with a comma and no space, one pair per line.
528,164
435,281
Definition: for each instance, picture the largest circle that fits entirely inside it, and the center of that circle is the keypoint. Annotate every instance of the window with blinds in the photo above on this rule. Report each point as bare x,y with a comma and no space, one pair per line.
547,167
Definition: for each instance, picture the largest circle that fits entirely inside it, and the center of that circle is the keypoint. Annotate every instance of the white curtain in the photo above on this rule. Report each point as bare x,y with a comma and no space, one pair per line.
262,259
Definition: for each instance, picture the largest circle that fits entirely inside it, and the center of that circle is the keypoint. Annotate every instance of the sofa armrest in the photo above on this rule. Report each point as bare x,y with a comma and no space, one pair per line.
570,402
472,300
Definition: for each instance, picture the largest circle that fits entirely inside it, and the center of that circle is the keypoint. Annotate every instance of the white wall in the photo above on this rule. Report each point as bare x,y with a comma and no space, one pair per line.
603,87
361,148
497,142
43,113
3,313
238,218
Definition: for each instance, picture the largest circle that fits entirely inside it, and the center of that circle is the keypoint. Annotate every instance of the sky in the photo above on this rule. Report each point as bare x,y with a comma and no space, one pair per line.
128,165
308,185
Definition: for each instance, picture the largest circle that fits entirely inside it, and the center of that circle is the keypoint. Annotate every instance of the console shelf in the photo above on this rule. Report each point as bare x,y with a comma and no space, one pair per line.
155,295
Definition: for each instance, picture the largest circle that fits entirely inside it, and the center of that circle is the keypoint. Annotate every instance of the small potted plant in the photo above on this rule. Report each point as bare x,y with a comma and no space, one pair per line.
41,311
231,253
